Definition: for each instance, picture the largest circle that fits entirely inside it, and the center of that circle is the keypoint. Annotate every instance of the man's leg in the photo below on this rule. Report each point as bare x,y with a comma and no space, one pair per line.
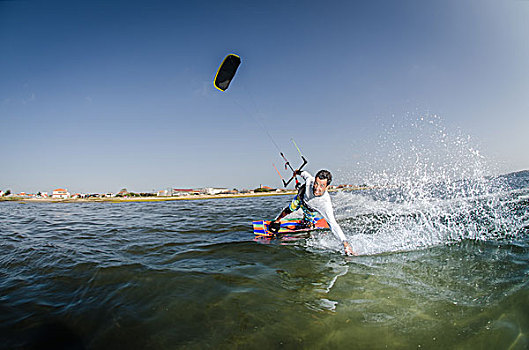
294,205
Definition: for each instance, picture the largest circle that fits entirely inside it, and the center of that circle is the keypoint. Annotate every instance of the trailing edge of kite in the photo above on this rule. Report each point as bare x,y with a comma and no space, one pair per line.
227,71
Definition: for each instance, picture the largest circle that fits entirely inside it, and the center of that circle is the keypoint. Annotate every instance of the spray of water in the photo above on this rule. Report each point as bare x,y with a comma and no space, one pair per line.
429,186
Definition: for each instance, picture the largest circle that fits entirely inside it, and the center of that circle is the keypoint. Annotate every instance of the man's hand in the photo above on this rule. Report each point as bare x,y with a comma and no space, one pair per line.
348,249
274,226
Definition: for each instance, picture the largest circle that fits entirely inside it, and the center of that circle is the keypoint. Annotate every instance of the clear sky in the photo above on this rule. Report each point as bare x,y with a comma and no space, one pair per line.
100,95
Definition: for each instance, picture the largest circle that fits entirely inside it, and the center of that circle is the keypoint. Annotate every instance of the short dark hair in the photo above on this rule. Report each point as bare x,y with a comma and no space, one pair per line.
324,175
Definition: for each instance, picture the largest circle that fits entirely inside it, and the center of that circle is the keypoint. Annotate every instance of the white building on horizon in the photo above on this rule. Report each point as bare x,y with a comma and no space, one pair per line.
214,190
60,193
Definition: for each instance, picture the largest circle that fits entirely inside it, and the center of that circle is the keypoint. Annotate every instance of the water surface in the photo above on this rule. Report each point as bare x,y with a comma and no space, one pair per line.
447,268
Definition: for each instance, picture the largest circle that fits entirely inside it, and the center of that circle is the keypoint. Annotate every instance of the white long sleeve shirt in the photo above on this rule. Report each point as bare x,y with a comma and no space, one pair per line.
322,204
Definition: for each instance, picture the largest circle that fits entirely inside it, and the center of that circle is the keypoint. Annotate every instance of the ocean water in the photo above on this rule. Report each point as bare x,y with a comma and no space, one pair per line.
442,264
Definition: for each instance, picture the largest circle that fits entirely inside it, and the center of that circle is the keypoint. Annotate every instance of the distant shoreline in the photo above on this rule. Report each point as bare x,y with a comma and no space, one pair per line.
143,199
157,199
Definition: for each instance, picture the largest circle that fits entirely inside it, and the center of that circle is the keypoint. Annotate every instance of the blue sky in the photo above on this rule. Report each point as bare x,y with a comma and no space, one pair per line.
100,95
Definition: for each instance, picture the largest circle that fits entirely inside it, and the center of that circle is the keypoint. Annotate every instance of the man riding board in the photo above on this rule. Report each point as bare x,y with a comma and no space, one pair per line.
313,199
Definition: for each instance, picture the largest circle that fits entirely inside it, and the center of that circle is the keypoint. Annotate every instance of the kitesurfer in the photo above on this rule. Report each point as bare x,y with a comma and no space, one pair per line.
313,198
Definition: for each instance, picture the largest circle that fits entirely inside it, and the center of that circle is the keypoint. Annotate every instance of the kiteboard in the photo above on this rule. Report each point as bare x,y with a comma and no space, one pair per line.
288,226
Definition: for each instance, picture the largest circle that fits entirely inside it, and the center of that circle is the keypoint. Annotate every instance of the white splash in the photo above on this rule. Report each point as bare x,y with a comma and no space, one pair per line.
430,186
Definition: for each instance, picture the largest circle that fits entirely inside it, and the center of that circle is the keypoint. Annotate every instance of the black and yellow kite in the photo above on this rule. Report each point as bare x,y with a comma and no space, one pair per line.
227,71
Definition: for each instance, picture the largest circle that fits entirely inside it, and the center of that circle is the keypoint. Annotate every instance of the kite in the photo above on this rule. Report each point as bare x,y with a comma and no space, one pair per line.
227,71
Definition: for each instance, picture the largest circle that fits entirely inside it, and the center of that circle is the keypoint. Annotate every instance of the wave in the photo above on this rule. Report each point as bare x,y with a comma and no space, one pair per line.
436,190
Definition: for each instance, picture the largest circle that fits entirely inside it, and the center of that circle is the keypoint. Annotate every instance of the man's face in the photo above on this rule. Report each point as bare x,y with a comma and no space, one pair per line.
319,186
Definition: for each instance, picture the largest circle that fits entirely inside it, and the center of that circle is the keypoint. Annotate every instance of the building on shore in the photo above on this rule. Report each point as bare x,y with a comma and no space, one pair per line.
178,192
123,193
184,191
60,193
214,190
164,193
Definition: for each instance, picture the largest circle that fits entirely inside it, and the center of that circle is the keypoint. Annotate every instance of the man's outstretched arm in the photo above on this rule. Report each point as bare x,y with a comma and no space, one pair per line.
328,214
